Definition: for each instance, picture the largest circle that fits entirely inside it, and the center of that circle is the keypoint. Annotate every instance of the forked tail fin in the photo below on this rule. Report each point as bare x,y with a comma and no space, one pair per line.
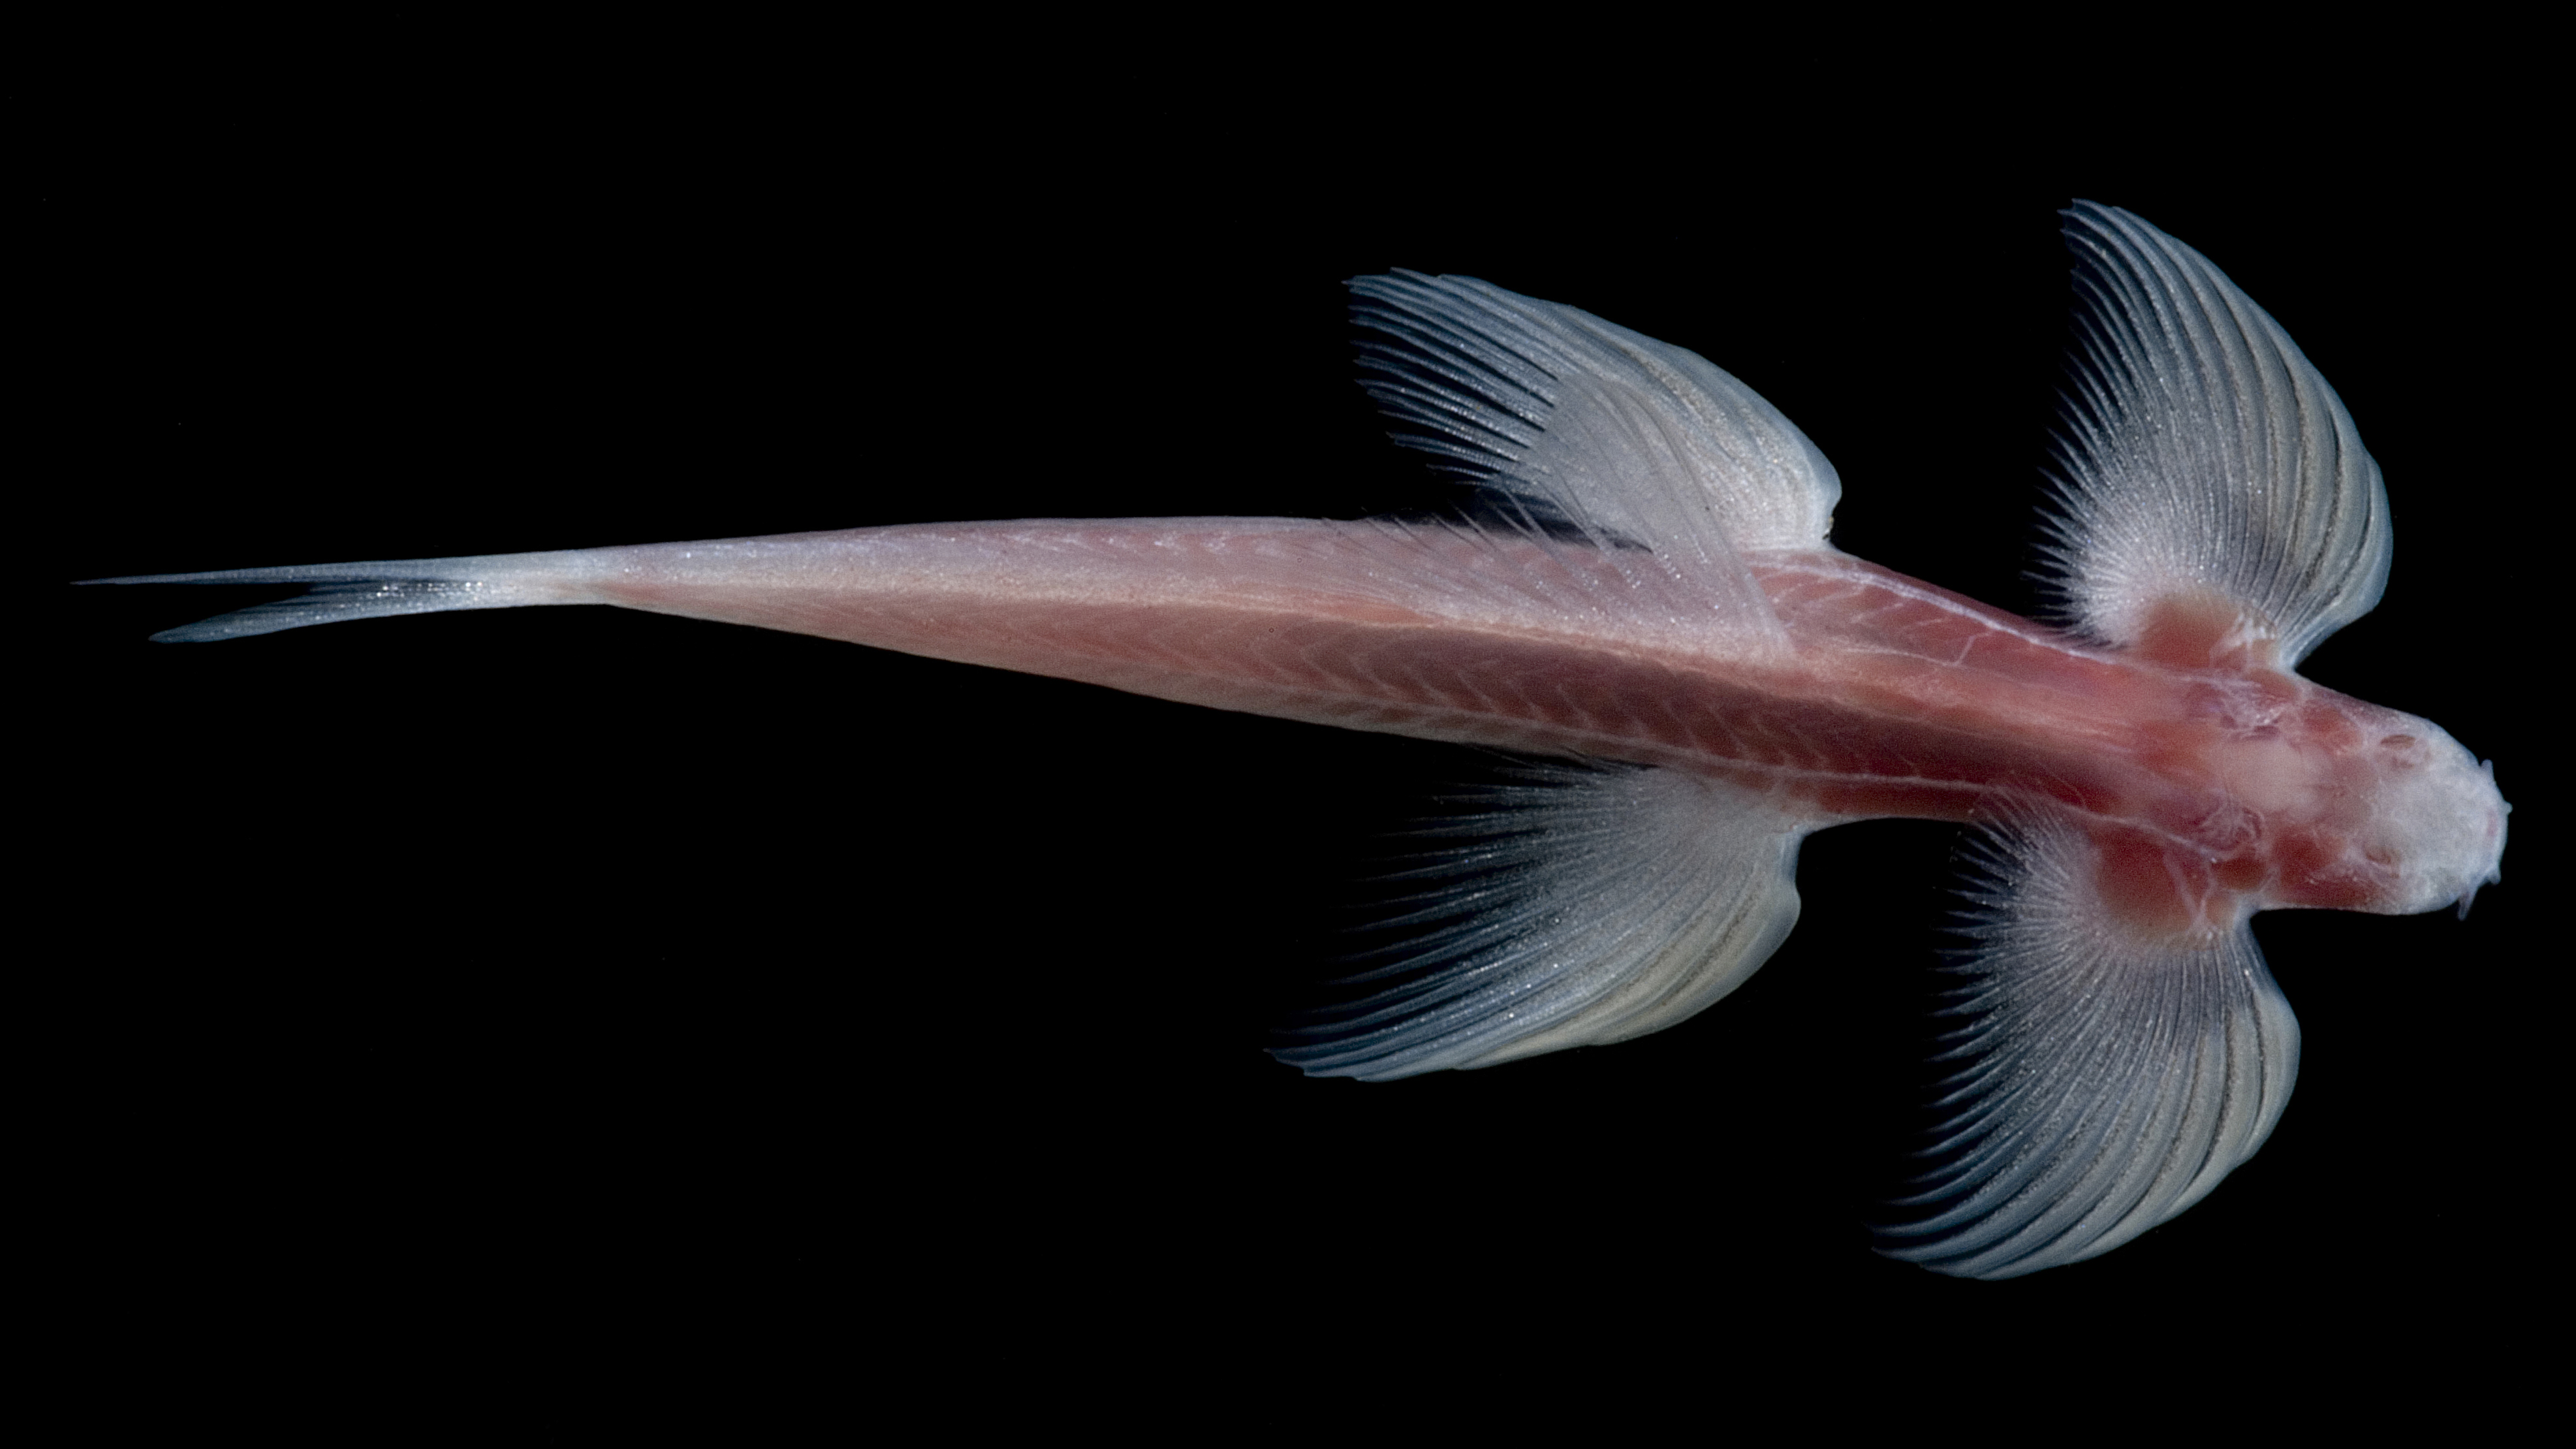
384,587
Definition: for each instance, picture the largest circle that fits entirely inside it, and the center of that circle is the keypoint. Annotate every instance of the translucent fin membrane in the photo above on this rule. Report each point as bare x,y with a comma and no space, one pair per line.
385,587
2199,451
2103,1084
1576,427
1574,905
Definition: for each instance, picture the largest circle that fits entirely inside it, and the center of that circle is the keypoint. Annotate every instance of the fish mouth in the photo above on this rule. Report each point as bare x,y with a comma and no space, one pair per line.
2495,835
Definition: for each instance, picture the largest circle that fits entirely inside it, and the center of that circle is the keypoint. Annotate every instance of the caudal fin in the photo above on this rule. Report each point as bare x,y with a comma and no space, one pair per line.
374,590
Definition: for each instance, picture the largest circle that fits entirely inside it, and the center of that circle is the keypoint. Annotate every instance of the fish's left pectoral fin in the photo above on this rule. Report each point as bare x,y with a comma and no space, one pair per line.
2103,1082
2204,467
1576,905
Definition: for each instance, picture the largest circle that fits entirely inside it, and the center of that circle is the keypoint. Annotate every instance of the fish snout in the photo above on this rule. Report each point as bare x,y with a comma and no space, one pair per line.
2438,817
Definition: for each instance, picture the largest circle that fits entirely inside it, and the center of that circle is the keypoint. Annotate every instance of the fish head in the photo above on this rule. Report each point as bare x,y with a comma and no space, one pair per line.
2397,818
2360,808
2435,818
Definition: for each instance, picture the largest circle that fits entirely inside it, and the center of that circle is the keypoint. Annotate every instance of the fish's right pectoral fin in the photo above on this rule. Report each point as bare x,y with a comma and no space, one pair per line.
2213,493
1578,905
2103,1081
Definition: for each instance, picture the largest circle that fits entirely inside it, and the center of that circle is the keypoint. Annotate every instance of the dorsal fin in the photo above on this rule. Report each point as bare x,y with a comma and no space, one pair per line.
2201,457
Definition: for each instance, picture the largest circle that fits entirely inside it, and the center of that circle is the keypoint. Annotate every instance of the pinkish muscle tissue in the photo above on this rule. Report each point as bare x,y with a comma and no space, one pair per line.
1644,602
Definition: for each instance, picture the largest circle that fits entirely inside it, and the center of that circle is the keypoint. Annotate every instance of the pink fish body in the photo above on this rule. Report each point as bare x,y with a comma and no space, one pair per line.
1648,596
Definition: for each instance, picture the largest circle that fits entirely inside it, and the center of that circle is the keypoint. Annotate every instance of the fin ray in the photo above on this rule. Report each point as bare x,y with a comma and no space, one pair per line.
380,589
2103,1085
1612,901
2199,450
1567,421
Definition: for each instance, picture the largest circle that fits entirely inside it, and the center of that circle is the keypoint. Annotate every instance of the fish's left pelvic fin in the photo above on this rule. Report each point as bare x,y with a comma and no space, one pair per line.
2106,1079
1576,905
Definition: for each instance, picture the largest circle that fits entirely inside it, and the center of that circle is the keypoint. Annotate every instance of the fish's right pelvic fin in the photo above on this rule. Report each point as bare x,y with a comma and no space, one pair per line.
2103,1081
2200,459
1661,462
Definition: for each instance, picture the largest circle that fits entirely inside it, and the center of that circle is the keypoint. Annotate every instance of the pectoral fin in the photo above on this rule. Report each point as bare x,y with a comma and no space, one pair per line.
2104,1082
2204,466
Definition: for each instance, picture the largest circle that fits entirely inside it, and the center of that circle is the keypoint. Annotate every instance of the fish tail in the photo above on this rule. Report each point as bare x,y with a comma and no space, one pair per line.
337,592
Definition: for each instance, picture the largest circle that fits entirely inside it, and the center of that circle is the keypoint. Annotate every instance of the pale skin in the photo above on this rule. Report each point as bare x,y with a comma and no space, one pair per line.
2215,783
1647,593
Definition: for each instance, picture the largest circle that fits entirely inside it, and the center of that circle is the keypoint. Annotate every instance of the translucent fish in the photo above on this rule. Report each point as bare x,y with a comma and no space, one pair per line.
1643,601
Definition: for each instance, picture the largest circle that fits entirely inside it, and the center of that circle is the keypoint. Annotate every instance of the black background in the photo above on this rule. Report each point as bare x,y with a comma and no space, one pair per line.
565,966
